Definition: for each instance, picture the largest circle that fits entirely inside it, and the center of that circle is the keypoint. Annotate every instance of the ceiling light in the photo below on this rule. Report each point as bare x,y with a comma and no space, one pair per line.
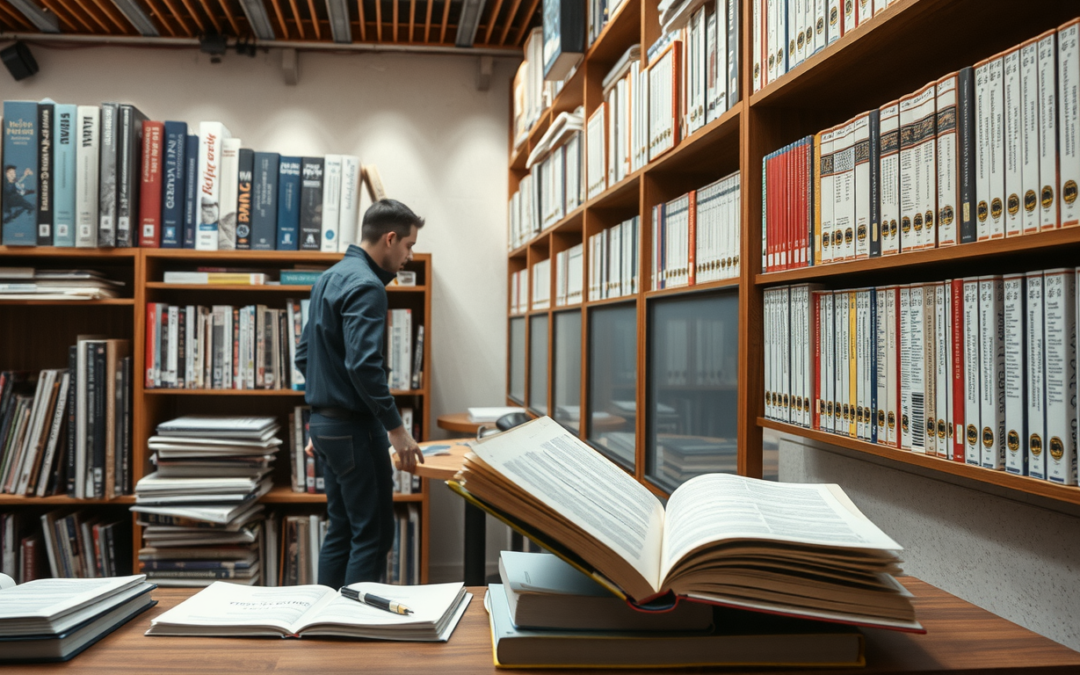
468,22
338,12
137,17
258,19
45,21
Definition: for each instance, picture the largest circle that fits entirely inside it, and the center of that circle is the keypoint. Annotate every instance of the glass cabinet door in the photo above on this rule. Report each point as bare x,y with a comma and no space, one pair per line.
693,393
613,381
516,386
567,369
538,363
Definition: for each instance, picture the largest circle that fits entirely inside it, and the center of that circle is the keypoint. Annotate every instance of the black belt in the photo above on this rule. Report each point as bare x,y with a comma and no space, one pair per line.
341,413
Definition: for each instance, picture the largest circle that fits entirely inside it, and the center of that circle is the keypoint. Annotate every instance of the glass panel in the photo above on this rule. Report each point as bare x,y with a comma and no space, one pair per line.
613,381
567,369
517,360
538,363
693,392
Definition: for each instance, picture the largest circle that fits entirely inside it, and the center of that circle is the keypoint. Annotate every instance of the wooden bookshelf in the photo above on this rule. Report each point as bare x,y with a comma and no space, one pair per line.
34,339
909,44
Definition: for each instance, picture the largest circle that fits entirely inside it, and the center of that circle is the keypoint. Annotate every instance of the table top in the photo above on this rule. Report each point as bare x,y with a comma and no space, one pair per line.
459,422
961,638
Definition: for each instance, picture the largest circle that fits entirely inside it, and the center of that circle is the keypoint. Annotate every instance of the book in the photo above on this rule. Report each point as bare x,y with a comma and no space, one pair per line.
129,174
150,198
173,184
229,181
191,189
86,183
544,592
223,609
288,204
311,204
264,201
46,172
856,586
20,182
107,176
211,135
331,203
245,177
738,639
348,216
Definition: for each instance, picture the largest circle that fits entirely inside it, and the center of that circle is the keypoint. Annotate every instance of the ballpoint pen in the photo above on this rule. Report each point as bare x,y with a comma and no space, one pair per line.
375,601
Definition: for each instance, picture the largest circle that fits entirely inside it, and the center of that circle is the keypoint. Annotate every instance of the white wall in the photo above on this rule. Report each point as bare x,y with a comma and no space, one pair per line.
1015,555
440,145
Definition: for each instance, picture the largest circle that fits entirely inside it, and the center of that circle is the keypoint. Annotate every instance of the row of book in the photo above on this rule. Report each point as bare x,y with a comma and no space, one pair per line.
68,431
64,543
787,32
979,370
28,283
569,275
554,185
613,260
991,151
696,236
519,291
307,472
541,284
200,506
106,175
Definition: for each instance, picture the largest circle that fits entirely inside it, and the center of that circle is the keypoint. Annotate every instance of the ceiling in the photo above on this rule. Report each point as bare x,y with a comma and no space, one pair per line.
503,24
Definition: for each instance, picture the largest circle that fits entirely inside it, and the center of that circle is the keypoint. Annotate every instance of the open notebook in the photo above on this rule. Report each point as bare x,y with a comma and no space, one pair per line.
229,610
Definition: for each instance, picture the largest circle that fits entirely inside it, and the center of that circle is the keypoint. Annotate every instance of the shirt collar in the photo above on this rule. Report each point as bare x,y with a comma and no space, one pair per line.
355,251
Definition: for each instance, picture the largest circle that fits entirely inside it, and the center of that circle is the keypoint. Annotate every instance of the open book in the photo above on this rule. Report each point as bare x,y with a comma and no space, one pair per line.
229,610
799,550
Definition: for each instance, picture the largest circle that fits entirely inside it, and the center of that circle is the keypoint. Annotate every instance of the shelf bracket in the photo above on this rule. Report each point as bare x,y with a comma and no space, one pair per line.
485,66
290,66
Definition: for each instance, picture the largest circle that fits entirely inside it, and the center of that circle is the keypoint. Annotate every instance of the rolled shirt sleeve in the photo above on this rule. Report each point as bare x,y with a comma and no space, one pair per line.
363,313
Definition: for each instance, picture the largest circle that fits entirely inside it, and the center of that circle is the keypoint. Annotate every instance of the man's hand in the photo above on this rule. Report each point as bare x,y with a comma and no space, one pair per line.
408,452
309,449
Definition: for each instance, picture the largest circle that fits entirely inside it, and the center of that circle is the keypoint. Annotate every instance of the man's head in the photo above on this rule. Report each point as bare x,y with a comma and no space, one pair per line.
9,171
388,233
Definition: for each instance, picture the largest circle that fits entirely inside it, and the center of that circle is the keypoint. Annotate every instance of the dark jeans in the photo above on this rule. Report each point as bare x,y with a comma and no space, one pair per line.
359,499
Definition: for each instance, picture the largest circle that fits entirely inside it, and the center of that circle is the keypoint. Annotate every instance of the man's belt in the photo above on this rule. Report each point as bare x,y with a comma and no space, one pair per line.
341,413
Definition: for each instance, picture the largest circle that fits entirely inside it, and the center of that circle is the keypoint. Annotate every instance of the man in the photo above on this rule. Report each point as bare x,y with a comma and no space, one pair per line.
15,191
340,356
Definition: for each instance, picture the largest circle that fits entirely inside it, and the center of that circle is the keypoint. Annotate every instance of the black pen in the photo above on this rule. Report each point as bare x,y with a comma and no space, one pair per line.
375,601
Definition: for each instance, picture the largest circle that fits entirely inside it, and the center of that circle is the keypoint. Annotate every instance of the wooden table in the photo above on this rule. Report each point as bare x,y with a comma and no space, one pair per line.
460,423
961,638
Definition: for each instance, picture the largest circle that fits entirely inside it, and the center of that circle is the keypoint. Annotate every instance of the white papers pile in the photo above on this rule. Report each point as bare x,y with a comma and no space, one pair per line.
18,283
200,509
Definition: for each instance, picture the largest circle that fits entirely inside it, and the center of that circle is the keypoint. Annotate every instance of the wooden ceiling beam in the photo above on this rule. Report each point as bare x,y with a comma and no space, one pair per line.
94,17
194,15
378,20
314,19
210,15
63,19
445,21
281,19
427,23
230,16
114,17
525,21
395,4
155,9
509,21
296,18
77,16
491,21
412,20
363,22
16,20
179,18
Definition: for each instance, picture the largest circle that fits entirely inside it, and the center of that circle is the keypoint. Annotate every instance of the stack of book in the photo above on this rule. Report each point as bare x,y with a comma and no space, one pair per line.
546,613
131,181
56,619
27,283
224,347
68,430
200,508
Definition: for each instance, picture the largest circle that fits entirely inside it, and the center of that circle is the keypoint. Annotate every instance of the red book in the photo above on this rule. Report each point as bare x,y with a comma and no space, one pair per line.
692,237
150,194
151,328
957,369
800,212
32,567
769,218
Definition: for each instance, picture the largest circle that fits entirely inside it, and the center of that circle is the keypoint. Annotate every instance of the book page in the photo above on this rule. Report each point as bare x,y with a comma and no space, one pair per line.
429,603
719,507
571,478
223,605
47,598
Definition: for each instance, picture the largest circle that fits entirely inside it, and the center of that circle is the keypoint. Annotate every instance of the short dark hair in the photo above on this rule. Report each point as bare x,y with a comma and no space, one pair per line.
389,215
9,167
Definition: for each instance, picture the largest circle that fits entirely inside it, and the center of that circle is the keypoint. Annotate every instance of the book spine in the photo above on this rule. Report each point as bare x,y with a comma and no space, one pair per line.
972,410
1036,377
996,147
875,193
107,174
1048,131
151,342
918,369
64,177
1059,320
992,372
230,173
288,211
211,135
863,190
942,361
46,173
948,168
925,114
734,52
173,185
905,353
1069,116
191,189
966,156
245,177
72,407
129,175
264,201
1015,335
1013,137
331,204
1029,137
311,201
757,21
20,195
349,216
929,428
151,188
96,383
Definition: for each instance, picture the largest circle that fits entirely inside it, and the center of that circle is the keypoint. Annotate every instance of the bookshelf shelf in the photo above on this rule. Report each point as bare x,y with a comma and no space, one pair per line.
283,494
62,500
623,193
621,32
256,288
408,392
223,392
696,288
65,252
611,301
242,256
714,141
104,302
933,259
1062,493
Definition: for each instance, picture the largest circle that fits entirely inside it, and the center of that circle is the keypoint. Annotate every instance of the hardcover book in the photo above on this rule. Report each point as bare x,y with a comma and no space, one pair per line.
264,201
129,175
211,135
173,185
311,203
108,143
191,189
64,177
244,207
227,199
20,194
288,204
46,172
150,197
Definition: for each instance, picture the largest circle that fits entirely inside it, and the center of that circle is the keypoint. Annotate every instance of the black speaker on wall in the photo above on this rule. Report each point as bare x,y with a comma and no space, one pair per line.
19,61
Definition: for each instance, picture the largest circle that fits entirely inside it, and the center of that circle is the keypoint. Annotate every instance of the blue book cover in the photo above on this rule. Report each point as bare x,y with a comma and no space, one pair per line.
264,201
64,176
20,191
173,183
288,206
191,189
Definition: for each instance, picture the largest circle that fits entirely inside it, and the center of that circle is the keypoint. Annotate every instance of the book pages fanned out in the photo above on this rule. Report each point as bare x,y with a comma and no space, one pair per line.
793,549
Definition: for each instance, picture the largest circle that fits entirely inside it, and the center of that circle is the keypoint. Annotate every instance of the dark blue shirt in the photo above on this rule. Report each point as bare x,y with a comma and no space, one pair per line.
341,349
